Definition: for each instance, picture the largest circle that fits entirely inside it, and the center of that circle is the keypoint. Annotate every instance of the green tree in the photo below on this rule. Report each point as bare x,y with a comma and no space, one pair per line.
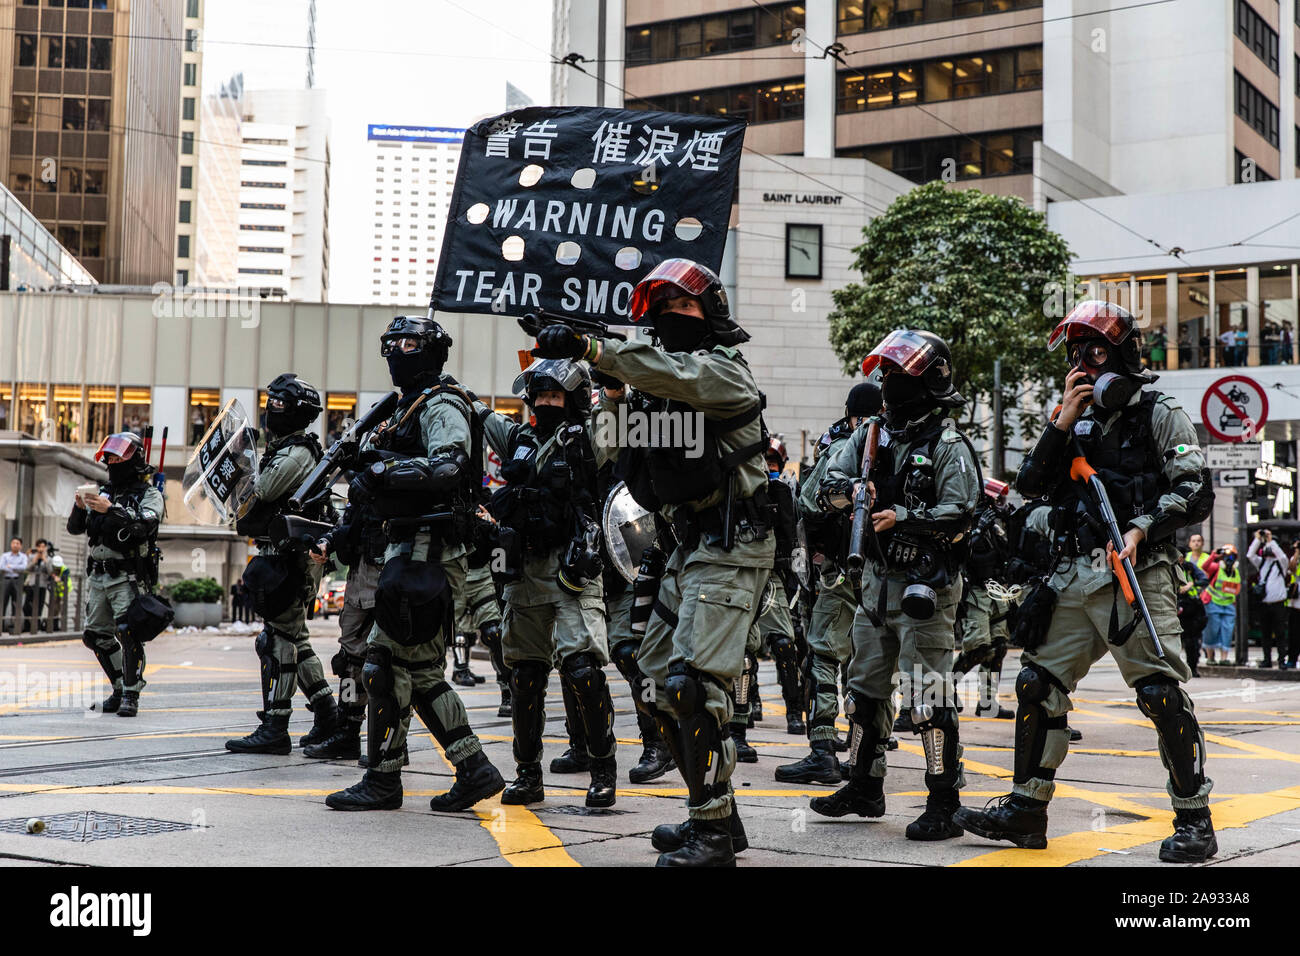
983,272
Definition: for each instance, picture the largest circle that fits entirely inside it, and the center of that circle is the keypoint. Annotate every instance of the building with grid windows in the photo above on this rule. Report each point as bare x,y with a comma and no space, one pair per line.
93,92
415,171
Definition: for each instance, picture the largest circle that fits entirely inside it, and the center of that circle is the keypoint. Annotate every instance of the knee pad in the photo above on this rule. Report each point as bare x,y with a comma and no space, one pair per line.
1163,701
1160,698
91,639
263,643
783,648
528,678
582,671
123,629
1033,684
344,664
686,689
491,633
623,654
927,717
377,673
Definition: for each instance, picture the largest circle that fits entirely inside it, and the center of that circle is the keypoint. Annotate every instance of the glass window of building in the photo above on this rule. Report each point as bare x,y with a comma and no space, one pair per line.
26,49
74,53
1196,339
187,108
858,16
1277,314
101,413
137,409
101,53
340,411
74,112
185,207
67,414
204,405
183,246
187,143
187,177
6,402
24,107
33,412
191,74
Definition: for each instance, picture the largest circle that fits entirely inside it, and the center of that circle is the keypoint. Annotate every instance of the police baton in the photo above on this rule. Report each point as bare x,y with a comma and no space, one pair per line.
1121,567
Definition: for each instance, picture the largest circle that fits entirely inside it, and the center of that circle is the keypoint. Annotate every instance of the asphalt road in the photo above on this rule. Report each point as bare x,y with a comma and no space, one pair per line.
77,769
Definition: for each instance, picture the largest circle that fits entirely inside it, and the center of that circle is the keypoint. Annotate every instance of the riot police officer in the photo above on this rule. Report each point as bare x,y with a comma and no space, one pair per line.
121,524
555,608
283,581
923,482
478,617
422,480
714,577
1143,448
981,620
830,636
781,624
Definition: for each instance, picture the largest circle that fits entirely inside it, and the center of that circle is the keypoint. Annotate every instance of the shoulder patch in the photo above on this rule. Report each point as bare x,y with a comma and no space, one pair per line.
726,350
949,436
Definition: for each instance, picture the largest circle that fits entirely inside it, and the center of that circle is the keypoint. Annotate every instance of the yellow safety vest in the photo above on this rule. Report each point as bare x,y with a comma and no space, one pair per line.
1225,587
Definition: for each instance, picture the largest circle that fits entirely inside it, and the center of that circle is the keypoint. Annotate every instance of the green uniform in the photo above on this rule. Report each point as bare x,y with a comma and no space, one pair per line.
830,640
413,676
109,586
1076,640
709,596
880,649
282,470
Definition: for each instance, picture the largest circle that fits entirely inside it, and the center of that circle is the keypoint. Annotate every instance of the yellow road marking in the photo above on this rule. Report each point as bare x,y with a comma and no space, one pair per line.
1229,813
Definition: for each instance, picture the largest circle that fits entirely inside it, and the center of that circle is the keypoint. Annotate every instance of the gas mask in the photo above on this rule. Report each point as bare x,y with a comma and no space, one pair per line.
1100,361
678,332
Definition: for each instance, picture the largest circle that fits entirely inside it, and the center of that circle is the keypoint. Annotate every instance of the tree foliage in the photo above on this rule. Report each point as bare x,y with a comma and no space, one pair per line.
976,269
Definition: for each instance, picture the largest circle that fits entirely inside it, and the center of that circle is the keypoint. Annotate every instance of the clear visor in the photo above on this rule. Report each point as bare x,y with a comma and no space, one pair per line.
1090,319
119,446
904,348
399,343
568,373
672,277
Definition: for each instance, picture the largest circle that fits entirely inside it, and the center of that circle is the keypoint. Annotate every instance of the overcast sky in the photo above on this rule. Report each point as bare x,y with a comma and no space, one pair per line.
413,62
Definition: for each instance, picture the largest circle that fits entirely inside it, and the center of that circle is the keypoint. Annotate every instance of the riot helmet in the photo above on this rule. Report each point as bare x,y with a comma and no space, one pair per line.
291,404
917,369
560,375
128,464
1103,341
679,332
776,453
416,348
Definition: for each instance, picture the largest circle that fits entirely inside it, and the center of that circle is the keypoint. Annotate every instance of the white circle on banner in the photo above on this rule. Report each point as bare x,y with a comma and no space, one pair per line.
512,250
583,178
567,253
688,229
477,213
530,175
629,257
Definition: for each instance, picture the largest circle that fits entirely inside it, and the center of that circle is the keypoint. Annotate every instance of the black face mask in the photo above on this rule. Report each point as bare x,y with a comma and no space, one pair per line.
678,332
906,398
122,474
549,418
280,423
408,369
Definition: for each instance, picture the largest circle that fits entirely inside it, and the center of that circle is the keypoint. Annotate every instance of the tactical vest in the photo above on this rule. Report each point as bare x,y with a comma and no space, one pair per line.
1225,587
403,435
1200,564
256,522
785,518
913,486
95,521
537,506
989,548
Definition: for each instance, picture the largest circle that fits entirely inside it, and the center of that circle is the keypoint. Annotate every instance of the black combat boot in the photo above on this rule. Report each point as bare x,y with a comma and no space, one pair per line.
903,722
527,786
1193,839
604,780
744,752
672,836
571,761
820,766
505,709
755,703
1016,819
130,704
110,703
936,822
345,742
1075,736
706,843
325,714
376,791
863,795
476,779
656,758
271,737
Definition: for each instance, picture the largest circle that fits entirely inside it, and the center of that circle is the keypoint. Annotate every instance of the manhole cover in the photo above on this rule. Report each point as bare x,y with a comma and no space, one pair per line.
581,811
87,825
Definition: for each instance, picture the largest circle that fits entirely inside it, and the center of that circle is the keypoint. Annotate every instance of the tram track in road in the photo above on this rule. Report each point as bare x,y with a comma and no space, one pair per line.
74,765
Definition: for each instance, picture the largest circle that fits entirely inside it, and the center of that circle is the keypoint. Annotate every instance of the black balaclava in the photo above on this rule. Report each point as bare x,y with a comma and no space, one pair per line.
280,423
411,369
679,332
906,399
549,418
123,473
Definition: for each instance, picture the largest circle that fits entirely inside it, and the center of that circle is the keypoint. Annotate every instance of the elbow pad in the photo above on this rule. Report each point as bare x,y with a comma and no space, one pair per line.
1039,472
444,473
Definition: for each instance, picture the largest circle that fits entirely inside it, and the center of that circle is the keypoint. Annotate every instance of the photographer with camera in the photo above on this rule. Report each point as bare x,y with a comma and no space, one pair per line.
923,483
550,539
1221,607
1269,591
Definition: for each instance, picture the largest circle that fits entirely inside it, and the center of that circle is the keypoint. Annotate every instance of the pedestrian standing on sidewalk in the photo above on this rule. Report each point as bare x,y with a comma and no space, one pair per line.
1270,561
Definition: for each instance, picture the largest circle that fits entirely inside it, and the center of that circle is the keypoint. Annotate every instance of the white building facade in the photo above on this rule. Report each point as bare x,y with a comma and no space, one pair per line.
414,172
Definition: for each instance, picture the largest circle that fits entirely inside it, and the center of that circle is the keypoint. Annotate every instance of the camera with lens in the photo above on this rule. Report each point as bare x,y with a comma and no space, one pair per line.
581,563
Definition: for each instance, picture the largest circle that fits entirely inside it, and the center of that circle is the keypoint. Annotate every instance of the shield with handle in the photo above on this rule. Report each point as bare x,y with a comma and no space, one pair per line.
221,472
629,530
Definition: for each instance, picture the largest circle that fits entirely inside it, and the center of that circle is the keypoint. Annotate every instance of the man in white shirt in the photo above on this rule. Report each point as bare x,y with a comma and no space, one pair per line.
13,565
1270,561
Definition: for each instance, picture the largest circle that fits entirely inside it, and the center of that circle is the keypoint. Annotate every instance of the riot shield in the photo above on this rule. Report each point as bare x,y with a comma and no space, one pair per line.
221,472
629,530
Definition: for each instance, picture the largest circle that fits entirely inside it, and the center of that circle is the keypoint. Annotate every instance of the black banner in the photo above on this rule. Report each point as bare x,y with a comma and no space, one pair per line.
567,208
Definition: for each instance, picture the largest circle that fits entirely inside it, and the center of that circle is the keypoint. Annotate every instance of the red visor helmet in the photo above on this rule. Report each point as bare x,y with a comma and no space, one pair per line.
776,449
996,489
917,353
674,277
128,446
1096,318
